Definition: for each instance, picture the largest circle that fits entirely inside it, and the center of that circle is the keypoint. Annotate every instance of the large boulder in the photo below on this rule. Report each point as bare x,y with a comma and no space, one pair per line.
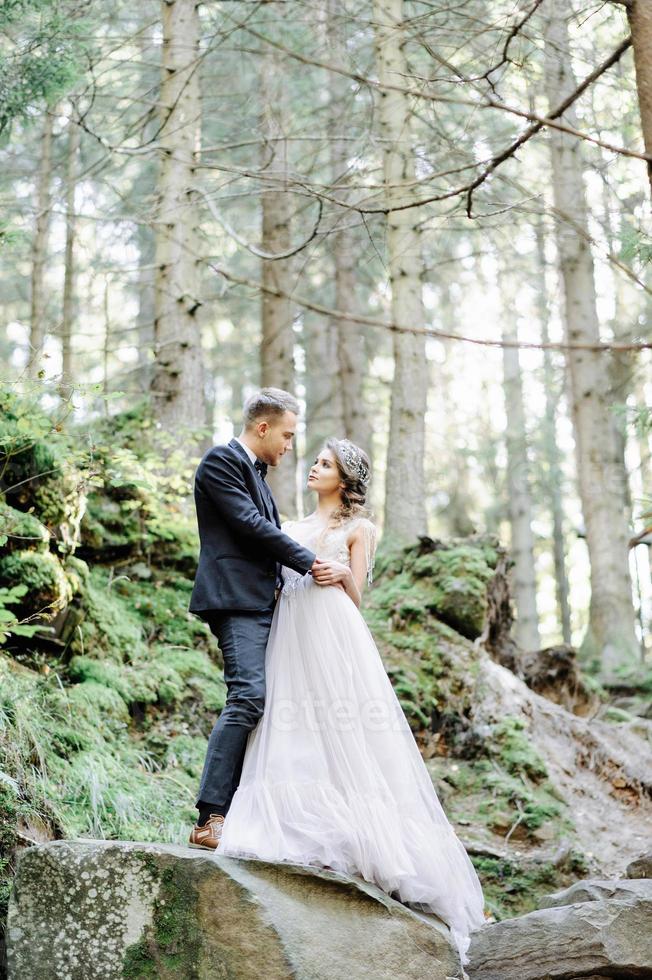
109,910
593,930
598,889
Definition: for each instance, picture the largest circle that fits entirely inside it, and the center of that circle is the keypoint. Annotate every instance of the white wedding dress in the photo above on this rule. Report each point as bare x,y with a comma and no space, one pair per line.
332,775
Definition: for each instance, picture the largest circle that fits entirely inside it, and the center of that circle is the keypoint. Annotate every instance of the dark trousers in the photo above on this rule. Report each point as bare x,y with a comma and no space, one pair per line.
242,637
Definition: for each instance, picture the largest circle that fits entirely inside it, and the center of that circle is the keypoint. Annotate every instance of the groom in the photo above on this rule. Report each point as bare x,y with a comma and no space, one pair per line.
236,585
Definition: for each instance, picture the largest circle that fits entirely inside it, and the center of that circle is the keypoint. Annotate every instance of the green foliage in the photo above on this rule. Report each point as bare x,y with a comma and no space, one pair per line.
636,245
109,740
10,625
41,54
21,531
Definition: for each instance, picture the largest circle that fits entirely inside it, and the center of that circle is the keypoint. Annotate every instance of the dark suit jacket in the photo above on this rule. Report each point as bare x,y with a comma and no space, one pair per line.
240,539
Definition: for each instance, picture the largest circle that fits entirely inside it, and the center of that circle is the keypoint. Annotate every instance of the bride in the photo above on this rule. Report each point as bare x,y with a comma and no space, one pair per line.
332,775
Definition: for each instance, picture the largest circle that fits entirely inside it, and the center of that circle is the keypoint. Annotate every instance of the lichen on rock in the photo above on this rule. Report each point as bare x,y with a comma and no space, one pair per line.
130,911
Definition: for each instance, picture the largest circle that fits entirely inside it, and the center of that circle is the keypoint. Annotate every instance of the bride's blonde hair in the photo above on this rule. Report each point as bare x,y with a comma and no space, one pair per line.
355,472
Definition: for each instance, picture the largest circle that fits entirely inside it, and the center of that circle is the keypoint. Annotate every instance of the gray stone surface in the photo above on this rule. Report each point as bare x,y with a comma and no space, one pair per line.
103,910
597,889
588,939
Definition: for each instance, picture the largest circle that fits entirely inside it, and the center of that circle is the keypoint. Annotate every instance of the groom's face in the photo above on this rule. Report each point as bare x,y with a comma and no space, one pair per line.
277,438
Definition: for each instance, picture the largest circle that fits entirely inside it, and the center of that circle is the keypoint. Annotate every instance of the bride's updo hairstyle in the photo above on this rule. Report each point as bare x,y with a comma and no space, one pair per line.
355,472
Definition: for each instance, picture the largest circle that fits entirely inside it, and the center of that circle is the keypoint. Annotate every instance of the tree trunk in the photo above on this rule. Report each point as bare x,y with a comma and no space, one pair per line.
178,378
145,315
277,315
610,637
323,405
452,471
405,510
68,310
351,358
639,14
39,250
519,498
106,352
551,452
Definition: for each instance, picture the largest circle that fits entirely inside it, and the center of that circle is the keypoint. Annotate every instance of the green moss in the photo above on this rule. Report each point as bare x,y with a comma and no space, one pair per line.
514,887
510,744
107,627
77,573
48,589
161,605
171,945
131,684
138,505
457,577
506,804
38,468
112,525
510,805
449,581
91,698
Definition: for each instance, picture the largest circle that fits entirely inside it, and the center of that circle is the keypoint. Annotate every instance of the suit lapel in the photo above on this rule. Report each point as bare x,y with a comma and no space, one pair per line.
265,494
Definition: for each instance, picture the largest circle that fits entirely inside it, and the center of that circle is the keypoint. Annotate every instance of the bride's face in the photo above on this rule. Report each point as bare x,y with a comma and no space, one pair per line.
324,476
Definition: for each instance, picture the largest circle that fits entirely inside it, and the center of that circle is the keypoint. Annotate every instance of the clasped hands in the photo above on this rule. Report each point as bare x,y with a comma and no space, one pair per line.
330,573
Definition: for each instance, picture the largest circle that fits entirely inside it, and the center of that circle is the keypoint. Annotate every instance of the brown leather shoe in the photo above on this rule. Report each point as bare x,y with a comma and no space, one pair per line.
207,837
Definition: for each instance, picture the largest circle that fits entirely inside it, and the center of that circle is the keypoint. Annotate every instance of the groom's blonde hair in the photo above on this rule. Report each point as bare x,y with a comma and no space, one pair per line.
268,403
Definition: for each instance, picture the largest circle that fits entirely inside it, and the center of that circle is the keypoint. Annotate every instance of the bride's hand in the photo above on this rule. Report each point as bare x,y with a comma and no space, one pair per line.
332,573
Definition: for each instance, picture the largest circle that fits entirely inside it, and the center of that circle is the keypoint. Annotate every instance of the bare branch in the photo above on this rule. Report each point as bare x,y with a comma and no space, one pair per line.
428,331
270,256
536,127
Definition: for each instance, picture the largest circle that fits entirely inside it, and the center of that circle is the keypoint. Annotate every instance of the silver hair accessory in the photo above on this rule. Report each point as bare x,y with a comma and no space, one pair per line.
354,460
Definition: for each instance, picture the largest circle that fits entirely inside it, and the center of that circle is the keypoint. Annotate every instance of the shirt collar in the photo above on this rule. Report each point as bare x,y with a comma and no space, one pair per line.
250,453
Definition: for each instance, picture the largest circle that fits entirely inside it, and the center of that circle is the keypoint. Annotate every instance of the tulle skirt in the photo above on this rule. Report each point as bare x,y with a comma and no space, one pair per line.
332,776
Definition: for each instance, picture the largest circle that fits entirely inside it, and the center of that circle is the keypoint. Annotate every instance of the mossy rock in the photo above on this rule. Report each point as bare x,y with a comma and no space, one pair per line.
48,588
449,581
39,476
170,912
457,577
78,573
111,528
37,472
23,532
107,627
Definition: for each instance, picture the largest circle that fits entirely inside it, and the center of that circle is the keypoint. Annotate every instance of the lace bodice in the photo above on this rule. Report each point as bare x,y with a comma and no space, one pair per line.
331,543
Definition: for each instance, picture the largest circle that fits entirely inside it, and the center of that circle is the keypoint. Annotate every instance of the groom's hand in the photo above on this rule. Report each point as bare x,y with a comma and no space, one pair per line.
330,572
320,571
